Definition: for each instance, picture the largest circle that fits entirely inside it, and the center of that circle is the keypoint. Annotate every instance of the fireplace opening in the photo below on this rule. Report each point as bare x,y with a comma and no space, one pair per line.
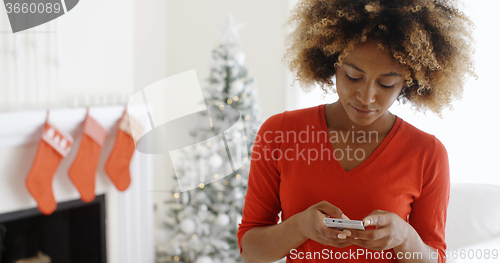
74,233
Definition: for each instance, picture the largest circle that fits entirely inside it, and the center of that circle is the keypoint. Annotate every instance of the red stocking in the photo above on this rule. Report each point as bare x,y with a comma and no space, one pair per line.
82,171
118,163
53,147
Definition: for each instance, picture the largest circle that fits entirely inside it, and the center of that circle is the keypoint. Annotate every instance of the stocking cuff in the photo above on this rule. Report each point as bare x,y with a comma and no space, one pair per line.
94,130
59,140
130,126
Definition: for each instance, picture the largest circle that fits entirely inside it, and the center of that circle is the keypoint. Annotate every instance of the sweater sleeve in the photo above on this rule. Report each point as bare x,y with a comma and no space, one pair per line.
428,216
262,203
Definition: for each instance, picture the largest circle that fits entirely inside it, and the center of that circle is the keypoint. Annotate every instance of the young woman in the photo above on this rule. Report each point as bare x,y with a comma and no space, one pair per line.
353,158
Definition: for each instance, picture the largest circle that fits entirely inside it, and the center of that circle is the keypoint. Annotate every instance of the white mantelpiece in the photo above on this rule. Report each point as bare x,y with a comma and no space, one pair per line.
129,214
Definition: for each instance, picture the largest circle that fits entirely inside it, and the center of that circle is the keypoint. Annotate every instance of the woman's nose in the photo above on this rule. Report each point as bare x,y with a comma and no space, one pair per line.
366,94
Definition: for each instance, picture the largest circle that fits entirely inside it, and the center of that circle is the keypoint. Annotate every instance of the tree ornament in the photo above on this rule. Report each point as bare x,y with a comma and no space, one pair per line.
238,219
237,194
215,161
201,196
161,236
240,58
230,30
204,259
237,87
175,249
187,226
222,219
184,198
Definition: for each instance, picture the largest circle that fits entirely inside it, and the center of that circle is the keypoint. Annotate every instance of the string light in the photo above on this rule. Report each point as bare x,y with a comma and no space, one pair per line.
238,176
195,237
209,144
247,117
226,182
244,95
236,98
244,137
229,101
242,79
216,176
221,107
201,185
198,147
176,258
176,195
245,159
217,44
242,167
211,125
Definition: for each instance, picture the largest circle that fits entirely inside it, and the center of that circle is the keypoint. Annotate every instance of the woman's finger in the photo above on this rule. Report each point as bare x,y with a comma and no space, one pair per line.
373,234
335,233
330,210
377,218
335,242
370,244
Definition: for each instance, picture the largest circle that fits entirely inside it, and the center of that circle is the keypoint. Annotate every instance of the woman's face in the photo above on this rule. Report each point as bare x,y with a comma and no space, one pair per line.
368,83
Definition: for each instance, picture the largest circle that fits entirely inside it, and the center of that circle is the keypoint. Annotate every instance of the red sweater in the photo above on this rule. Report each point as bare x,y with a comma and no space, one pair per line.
408,174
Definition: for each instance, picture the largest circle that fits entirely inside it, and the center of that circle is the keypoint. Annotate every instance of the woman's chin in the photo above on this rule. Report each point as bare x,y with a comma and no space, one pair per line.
361,118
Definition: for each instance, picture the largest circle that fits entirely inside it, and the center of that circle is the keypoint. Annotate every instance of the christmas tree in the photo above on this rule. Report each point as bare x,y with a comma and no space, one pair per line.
200,224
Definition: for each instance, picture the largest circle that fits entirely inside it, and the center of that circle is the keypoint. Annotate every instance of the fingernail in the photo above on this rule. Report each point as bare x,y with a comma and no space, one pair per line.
341,236
345,217
347,232
356,238
366,222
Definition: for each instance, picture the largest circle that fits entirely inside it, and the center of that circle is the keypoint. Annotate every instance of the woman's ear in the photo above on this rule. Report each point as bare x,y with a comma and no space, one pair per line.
403,94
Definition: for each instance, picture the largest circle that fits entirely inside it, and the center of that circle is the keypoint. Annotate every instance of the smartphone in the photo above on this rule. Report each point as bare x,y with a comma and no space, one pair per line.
341,224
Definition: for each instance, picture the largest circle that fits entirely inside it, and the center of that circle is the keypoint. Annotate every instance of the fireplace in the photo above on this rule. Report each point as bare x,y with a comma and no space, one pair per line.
75,232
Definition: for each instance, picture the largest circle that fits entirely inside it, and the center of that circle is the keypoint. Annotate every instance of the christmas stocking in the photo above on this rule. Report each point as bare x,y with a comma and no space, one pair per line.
82,171
53,147
118,163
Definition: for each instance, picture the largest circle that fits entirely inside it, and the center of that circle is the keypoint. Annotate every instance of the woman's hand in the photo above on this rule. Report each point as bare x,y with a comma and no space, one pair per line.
313,227
391,231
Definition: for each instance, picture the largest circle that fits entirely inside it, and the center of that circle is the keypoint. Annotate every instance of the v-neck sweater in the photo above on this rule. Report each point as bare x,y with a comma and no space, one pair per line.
293,166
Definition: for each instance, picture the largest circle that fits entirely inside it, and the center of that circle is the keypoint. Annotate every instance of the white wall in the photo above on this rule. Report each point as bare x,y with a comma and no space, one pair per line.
94,48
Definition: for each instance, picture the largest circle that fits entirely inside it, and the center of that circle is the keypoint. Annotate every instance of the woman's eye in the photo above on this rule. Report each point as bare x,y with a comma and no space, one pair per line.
351,78
387,87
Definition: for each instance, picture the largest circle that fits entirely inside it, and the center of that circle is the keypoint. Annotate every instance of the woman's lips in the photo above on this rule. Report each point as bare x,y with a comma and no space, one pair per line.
362,113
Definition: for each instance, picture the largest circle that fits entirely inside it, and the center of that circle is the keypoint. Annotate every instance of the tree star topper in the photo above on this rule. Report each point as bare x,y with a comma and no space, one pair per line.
230,30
